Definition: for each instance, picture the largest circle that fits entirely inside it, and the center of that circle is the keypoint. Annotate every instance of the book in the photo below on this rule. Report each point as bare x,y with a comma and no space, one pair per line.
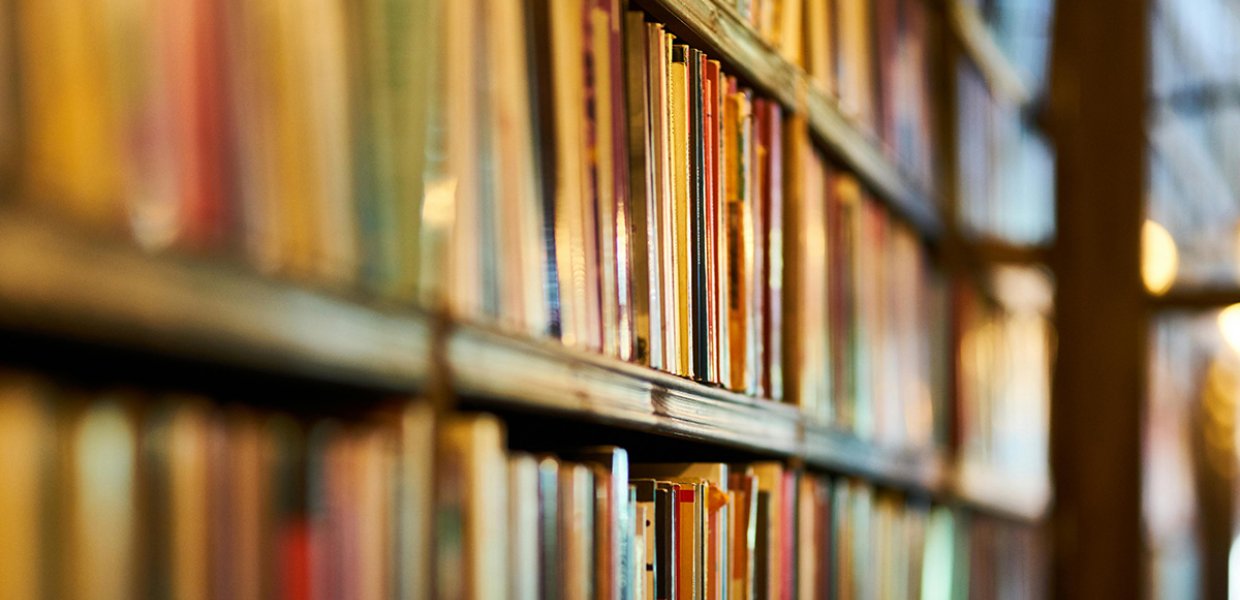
644,188
576,515
681,206
523,526
473,508
205,498
612,534
27,433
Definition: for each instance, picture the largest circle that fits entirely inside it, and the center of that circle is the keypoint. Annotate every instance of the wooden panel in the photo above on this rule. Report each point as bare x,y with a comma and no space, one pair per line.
1097,118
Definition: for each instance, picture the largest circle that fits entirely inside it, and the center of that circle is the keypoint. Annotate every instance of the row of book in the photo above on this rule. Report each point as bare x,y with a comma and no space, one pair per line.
1006,168
876,57
122,494
566,169
1005,350
864,281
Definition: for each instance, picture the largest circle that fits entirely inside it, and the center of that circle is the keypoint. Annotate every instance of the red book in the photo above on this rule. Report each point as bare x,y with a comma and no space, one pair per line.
202,132
760,385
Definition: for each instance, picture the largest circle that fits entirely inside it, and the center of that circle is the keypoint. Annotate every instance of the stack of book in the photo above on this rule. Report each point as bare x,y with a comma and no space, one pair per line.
117,493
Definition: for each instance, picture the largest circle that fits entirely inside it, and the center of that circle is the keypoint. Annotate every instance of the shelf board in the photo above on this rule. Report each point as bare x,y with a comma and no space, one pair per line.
1020,498
1210,297
843,452
55,280
978,43
718,29
990,251
503,370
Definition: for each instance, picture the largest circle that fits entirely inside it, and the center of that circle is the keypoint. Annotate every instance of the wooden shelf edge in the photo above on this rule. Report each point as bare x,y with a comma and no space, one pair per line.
1013,497
1197,298
989,251
503,370
56,280
720,30
843,452
984,52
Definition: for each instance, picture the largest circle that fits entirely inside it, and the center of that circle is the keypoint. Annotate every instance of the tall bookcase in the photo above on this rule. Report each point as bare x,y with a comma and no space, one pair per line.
77,295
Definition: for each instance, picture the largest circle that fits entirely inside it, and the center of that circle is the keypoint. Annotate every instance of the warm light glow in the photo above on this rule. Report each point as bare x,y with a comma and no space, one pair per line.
1229,325
1159,258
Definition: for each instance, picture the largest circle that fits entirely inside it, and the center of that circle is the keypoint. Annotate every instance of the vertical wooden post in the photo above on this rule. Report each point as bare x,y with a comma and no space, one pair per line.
1097,117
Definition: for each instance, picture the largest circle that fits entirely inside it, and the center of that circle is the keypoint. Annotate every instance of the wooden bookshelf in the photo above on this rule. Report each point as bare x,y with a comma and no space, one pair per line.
979,45
226,315
717,27
57,280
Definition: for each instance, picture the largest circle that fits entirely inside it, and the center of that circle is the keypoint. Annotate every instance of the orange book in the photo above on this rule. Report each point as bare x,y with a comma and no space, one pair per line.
26,433
681,238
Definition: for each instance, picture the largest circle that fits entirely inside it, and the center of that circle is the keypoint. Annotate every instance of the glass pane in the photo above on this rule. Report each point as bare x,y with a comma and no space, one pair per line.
1194,136
1190,450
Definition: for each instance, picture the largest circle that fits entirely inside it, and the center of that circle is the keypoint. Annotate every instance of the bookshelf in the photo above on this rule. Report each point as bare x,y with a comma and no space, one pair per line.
59,281
328,337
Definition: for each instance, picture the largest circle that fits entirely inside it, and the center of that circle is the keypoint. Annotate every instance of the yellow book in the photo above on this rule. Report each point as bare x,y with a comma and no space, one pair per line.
856,83
790,28
291,148
682,242
73,159
26,435
795,176
184,438
819,34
